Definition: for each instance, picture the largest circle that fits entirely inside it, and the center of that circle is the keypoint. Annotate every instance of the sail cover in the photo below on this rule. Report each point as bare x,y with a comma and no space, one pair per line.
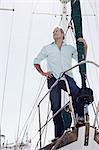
77,20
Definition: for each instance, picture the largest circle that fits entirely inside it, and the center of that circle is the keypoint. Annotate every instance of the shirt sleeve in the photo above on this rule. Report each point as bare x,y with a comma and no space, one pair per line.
75,53
41,56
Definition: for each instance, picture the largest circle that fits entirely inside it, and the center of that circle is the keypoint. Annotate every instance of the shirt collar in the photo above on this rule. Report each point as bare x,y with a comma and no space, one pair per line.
64,43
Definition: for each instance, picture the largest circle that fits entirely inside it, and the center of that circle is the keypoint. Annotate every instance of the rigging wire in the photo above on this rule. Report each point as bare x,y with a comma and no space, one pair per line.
36,101
50,110
91,6
94,56
6,9
90,87
66,33
48,104
97,19
42,131
87,78
54,85
26,122
36,4
24,75
48,42
48,113
72,33
51,19
24,134
97,25
93,104
6,72
0,3
43,127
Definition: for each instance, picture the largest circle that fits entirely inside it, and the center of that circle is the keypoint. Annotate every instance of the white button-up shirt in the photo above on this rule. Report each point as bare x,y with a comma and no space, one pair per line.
58,60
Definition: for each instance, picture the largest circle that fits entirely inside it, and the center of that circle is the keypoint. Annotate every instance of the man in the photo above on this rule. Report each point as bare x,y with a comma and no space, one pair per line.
59,58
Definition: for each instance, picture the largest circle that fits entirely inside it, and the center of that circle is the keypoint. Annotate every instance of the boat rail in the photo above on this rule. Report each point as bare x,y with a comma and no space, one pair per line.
61,78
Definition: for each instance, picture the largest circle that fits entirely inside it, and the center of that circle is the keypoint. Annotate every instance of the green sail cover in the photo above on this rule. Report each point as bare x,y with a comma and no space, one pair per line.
77,20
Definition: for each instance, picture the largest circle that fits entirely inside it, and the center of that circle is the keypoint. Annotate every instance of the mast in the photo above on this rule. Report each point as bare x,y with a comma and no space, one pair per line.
76,16
77,20
64,23
85,96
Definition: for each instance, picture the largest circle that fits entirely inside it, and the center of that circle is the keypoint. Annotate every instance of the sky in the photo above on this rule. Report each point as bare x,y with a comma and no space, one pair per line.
23,33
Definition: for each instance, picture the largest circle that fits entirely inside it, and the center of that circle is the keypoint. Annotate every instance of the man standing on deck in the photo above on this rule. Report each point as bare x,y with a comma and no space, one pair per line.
59,58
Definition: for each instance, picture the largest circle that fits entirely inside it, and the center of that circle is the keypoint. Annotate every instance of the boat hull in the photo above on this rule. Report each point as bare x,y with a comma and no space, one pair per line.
79,144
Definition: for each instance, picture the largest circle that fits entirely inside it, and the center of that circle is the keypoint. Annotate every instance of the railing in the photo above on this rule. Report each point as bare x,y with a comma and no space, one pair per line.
61,78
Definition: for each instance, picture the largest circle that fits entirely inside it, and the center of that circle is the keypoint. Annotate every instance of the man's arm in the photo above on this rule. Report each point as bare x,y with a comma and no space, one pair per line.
38,67
41,56
46,74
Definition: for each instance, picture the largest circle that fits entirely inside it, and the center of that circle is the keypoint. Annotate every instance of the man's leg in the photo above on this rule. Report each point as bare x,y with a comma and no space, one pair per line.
74,90
55,97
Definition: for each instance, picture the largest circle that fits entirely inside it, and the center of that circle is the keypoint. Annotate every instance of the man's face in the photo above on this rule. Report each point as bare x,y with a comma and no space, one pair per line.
57,34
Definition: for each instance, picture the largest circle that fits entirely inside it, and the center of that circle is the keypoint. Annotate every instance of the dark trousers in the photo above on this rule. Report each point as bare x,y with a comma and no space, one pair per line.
55,98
